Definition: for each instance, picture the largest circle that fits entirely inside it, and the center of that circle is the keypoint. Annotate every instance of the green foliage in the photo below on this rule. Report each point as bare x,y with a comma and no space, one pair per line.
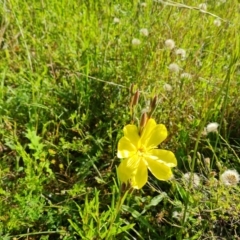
94,224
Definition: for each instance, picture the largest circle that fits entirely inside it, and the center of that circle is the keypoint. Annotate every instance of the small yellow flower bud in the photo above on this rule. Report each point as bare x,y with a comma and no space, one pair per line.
61,166
51,152
53,161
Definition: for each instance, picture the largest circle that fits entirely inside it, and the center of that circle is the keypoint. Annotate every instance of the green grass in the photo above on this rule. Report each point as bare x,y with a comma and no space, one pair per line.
65,73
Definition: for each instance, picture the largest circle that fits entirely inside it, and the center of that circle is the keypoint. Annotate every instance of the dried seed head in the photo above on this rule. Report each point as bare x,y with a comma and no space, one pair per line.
173,67
170,44
217,22
186,75
136,42
143,4
116,20
192,177
181,52
230,178
167,87
212,127
144,32
203,6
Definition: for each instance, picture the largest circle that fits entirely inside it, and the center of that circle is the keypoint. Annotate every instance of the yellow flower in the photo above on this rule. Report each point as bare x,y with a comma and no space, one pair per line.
140,153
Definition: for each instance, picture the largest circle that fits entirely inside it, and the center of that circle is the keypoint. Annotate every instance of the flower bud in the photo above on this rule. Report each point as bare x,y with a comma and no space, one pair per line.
219,165
131,102
136,98
154,102
207,161
143,121
131,88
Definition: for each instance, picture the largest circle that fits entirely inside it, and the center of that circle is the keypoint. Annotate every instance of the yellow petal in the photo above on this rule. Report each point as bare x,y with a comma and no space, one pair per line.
164,156
147,131
159,170
125,148
140,177
153,134
127,168
123,174
131,132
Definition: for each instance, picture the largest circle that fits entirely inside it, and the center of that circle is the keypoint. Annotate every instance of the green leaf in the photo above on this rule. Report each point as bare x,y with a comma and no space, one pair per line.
156,200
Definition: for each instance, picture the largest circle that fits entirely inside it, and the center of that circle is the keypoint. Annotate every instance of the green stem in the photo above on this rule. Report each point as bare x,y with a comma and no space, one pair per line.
117,211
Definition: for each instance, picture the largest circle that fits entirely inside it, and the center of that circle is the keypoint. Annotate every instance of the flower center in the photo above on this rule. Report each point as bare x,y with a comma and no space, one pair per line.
141,151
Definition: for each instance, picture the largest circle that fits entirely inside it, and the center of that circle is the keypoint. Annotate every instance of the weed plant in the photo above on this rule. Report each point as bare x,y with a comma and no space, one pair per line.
65,72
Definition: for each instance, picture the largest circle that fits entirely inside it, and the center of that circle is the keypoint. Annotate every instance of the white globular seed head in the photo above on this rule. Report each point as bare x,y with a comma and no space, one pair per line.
203,6
177,215
170,44
181,52
173,67
212,127
144,32
186,76
217,22
230,178
167,87
193,177
136,42
116,20
143,4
